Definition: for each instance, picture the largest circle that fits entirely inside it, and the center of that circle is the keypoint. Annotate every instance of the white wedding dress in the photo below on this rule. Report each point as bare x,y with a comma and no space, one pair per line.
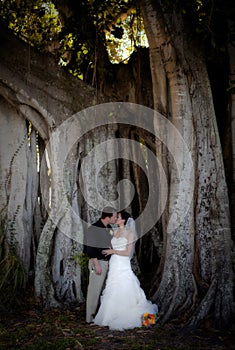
123,302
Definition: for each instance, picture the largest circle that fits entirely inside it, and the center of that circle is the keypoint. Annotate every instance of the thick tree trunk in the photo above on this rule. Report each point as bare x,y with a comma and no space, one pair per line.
231,111
18,180
98,178
232,117
33,87
62,237
198,252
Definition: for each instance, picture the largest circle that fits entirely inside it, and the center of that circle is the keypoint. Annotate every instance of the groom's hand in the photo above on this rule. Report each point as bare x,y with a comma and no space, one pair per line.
107,252
98,269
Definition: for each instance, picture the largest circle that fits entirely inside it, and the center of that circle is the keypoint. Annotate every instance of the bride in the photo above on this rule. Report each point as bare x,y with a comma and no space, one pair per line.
123,302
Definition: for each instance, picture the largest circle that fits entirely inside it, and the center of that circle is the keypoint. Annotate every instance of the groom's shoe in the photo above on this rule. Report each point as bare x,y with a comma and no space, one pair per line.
90,321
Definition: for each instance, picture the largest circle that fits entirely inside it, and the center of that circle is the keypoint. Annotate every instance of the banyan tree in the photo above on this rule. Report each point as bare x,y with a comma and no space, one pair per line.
63,95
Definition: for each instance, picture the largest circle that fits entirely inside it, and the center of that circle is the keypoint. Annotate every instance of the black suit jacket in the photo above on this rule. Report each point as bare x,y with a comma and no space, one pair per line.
97,238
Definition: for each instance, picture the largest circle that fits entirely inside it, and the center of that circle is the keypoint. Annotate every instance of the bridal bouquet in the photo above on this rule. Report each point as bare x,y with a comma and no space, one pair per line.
149,320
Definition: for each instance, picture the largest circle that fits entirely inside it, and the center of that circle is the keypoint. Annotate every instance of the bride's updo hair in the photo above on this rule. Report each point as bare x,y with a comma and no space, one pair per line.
125,215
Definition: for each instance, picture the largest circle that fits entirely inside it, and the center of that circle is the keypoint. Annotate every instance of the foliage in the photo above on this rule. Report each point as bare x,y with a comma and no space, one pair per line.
125,36
85,36
82,259
79,34
95,29
36,22
13,278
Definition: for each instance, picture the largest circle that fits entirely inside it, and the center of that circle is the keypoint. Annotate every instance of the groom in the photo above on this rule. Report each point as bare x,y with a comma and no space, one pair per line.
98,238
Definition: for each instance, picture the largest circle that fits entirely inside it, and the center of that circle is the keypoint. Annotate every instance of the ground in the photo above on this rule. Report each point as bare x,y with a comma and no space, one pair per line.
35,328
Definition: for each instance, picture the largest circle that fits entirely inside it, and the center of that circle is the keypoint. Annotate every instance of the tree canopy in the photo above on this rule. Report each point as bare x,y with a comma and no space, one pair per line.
85,36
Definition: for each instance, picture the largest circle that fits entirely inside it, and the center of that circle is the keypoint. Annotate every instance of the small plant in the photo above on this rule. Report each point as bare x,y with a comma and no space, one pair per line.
13,278
82,259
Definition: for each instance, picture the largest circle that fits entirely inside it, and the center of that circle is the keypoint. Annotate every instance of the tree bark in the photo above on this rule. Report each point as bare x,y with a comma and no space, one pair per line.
34,88
231,51
18,181
198,252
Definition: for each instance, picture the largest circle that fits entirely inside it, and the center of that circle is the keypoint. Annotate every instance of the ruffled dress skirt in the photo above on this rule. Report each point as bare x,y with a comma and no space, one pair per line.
123,301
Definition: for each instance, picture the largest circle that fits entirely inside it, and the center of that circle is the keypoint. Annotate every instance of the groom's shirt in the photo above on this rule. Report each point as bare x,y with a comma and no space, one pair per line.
98,238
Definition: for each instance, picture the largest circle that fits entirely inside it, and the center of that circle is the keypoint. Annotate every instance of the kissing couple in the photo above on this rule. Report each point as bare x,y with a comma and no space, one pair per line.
114,296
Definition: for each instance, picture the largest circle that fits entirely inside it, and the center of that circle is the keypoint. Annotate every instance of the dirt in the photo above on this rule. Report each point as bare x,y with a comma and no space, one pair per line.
35,328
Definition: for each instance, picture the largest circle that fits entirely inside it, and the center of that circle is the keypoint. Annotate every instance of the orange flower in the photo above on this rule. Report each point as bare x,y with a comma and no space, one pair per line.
148,319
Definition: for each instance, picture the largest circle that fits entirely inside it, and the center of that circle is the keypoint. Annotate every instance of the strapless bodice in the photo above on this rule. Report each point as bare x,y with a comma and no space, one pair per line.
119,243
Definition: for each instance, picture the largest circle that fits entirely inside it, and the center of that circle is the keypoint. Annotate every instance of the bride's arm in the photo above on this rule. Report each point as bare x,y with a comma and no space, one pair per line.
126,252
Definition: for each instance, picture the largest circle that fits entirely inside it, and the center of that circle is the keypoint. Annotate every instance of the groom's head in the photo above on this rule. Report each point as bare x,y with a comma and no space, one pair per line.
109,215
